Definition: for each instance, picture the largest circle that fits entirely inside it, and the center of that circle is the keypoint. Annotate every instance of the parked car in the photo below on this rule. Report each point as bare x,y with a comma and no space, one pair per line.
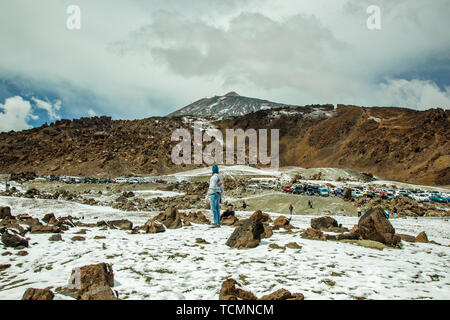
423,197
297,190
287,189
338,192
310,191
253,186
184,182
438,198
160,181
356,194
324,192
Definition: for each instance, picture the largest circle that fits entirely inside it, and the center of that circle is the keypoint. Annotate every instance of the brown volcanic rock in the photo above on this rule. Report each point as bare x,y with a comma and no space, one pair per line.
86,278
313,234
422,237
38,294
12,240
323,223
171,218
248,235
374,226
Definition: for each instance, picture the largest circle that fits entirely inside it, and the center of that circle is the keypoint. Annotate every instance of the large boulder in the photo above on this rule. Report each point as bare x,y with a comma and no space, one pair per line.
260,216
91,278
38,294
374,226
323,223
248,235
5,212
50,218
12,240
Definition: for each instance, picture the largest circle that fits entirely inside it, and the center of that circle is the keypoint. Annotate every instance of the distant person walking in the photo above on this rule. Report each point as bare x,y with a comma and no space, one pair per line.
395,212
291,209
244,205
215,192
310,204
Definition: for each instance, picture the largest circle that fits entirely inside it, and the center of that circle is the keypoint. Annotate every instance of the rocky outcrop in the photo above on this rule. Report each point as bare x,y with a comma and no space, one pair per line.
374,226
283,294
282,222
38,294
196,217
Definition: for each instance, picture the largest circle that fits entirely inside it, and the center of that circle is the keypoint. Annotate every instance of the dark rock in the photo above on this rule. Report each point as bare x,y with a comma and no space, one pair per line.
12,240
323,223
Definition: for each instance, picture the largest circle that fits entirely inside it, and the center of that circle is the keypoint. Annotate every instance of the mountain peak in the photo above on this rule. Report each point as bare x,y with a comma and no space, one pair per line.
232,94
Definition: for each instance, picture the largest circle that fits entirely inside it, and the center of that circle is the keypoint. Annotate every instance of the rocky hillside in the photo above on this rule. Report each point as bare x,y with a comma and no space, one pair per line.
394,143
229,105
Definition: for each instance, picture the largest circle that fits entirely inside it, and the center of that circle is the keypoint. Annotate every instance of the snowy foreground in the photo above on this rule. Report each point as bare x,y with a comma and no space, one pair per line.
171,265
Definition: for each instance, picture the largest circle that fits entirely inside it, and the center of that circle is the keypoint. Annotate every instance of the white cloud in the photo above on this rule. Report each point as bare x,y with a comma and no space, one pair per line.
414,94
51,109
92,113
15,114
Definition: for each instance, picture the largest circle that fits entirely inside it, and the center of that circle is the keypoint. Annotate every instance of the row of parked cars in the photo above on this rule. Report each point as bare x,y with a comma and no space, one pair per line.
360,192
67,179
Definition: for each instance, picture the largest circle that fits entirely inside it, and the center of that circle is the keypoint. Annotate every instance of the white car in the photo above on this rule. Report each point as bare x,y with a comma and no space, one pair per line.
253,185
424,197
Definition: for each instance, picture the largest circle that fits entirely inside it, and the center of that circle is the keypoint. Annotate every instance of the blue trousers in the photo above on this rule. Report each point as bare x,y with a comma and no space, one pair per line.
214,201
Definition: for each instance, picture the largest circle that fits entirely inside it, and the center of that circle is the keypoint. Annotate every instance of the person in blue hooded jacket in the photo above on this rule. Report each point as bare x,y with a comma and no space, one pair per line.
215,192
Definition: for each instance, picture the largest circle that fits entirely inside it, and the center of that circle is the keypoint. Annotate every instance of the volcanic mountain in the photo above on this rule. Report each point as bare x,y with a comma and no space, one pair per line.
229,105
392,143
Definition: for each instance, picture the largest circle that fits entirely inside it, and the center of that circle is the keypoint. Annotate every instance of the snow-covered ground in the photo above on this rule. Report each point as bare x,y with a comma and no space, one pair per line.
171,265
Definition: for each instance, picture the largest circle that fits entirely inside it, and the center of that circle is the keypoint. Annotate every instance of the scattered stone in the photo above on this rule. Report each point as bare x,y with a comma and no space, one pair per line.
12,240
82,231
78,238
153,227
276,246
229,291
281,294
196,217
100,293
99,237
422,237
121,224
313,234
201,240
55,237
293,245
38,228
38,294
229,221
22,253
3,267
49,218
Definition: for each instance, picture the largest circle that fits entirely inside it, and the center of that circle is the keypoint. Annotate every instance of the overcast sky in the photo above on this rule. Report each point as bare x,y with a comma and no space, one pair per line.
138,58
